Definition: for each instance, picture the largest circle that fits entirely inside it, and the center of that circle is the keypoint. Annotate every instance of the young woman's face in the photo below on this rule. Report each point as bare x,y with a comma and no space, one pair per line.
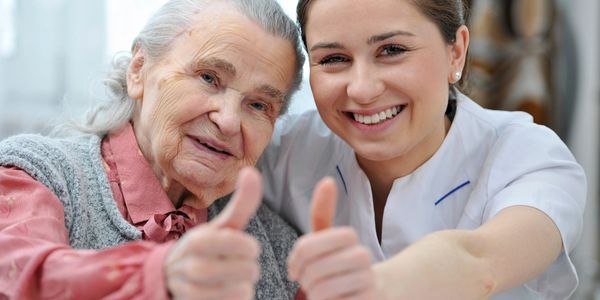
379,71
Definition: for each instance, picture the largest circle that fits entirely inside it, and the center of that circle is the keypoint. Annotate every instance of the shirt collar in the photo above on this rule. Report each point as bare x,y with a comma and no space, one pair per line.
142,192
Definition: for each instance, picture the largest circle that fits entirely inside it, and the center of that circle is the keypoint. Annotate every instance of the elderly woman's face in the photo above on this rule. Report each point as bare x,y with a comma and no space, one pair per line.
208,107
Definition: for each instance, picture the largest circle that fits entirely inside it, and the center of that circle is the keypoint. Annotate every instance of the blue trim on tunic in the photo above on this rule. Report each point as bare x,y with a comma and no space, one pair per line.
342,177
452,191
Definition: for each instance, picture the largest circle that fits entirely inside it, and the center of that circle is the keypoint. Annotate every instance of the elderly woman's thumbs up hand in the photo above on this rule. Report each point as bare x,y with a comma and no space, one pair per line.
219,260
329,263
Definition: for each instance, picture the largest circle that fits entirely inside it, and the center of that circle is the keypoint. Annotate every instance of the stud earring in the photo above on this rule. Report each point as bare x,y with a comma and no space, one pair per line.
457,76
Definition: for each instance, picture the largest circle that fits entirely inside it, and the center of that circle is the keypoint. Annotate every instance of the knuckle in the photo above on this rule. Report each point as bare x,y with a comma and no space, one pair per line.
240,291
305,244
299,250
201,269
319,291
254,272
308,286
310,271
256,247
180,290
349,234
197,235
250,244
362,256
246,290
248,271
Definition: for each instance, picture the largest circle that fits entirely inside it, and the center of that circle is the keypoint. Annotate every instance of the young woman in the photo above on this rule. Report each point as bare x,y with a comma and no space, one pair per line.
452,201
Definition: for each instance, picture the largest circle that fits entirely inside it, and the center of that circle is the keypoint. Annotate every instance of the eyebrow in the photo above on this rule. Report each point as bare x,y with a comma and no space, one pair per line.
387,35
327,46
217,63
370,41
271,92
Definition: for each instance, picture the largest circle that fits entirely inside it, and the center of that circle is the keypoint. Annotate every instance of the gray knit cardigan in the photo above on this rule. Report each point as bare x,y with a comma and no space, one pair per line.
72,168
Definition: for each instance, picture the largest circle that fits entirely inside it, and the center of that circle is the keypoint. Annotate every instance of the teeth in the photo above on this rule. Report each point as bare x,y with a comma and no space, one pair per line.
378,117
388,113
375,119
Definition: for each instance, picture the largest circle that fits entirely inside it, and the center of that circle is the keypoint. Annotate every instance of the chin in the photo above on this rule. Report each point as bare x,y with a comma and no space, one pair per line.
377,153
197,178
377,157
201,182
207,191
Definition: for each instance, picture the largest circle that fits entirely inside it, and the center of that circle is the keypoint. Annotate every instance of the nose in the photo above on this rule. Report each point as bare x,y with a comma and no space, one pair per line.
227,113
364,86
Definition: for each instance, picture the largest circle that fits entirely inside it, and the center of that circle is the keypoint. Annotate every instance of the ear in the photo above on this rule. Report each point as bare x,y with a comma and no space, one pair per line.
135,78
458,54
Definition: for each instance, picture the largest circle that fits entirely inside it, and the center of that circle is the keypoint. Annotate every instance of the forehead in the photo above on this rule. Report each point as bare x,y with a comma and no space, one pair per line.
228,39
363,15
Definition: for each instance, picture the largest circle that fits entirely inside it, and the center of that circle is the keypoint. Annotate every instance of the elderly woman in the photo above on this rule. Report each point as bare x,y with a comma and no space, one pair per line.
100,213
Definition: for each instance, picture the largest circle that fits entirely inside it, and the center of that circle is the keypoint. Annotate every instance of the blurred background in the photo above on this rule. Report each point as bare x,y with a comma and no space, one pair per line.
539,56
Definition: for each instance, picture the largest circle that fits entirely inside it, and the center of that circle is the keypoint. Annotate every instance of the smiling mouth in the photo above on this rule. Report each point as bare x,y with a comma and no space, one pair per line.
215,149
212,148
377,118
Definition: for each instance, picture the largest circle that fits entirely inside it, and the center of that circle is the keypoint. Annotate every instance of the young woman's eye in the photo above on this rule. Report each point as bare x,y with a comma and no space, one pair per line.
391,50
333,59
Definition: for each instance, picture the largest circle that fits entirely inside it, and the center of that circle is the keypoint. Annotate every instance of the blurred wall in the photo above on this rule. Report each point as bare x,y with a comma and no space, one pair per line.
59,46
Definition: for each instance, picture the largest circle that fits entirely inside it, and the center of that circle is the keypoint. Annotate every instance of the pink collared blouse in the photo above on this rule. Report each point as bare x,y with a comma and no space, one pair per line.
36,260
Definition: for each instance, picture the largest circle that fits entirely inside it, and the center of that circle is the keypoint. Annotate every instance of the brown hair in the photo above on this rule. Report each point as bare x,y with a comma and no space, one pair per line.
448,15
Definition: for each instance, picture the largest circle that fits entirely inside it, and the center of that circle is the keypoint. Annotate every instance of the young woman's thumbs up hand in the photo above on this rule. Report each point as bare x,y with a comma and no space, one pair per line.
329,263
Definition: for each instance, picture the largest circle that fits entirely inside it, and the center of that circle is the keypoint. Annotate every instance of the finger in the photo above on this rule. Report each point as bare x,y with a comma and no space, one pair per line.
217,272
224,242
342,286
238,292
244,203
366,294
323,204
182,289
353,259
314,246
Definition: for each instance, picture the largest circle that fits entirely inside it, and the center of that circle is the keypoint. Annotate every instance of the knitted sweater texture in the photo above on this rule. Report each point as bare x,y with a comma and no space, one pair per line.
72,168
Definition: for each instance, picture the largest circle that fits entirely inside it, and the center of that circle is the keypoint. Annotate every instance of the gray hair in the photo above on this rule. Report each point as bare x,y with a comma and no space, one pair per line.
155,40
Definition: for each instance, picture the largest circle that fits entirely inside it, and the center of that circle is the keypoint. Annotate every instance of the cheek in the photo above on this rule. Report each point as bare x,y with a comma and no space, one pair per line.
172,111
171,103
435,68
325,88
424,82
257,136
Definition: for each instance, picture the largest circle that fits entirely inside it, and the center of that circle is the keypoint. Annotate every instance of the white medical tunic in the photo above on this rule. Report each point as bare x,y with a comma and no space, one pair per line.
490,160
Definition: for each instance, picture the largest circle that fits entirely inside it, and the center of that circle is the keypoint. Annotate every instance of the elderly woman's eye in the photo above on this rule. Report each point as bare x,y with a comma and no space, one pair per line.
209,78
260,106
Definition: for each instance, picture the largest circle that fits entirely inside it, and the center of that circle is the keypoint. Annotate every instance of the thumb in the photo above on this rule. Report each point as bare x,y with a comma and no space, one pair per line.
243,203
323,204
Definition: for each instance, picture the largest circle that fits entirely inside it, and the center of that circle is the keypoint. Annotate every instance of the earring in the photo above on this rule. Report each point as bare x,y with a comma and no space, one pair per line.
457,76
